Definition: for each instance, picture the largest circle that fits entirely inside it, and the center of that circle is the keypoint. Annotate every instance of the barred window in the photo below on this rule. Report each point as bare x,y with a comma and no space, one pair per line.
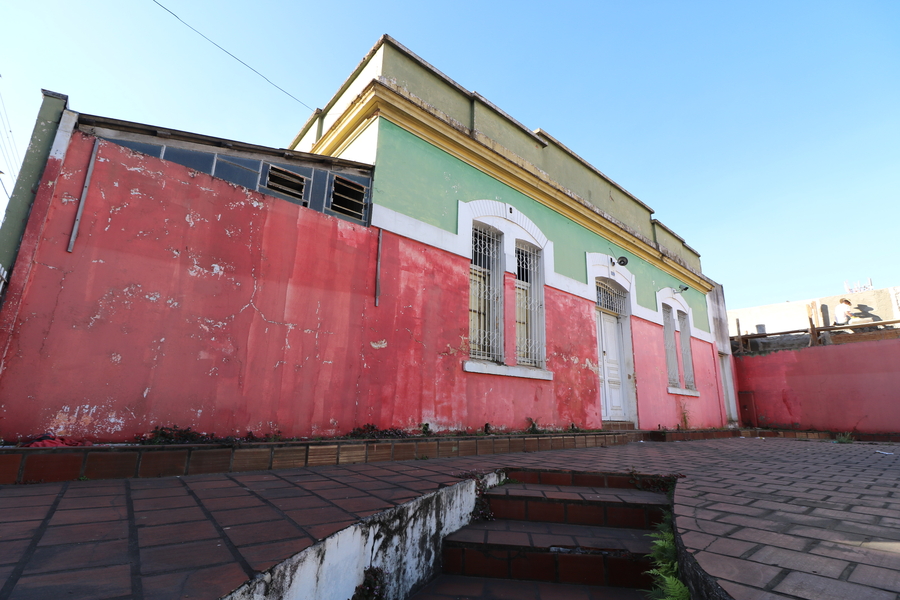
529,305
486,295
610,297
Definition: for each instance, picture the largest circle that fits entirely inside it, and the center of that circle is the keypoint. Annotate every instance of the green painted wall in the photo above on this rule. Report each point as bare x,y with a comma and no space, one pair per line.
552,159
419,180
29,176
676,246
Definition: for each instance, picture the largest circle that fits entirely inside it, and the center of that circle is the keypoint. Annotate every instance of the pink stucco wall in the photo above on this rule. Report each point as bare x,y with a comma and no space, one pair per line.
656,406
190,301
847,387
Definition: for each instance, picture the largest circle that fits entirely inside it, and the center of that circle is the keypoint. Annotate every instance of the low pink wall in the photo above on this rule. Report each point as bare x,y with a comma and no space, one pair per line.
847,387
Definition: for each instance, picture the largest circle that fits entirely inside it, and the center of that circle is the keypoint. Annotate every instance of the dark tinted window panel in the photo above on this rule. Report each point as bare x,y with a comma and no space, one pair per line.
286,183
348,198
199,161
235,174
151,149
305,171
248,163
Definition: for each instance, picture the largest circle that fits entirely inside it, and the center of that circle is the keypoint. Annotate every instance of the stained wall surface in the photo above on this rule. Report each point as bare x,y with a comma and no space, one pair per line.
846,387
194,302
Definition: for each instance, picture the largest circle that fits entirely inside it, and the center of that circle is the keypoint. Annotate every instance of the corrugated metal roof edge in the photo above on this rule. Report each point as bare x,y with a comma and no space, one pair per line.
206,140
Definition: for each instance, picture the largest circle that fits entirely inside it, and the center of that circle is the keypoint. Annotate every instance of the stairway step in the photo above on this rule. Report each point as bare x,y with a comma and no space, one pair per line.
555,552
543,536
618,426
632,480
584,505
453,587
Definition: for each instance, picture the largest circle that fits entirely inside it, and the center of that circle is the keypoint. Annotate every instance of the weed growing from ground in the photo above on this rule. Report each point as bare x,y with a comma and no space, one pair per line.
664,555
372,587
371,432
844,438
185,435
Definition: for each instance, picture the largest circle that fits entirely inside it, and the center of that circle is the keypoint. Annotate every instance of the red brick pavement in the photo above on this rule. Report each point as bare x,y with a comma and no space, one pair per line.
770,518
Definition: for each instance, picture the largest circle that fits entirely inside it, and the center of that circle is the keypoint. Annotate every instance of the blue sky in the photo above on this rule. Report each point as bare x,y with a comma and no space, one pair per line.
767,134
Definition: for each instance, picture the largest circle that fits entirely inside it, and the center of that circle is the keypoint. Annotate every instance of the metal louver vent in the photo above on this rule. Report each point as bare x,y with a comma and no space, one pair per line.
286,182
348,198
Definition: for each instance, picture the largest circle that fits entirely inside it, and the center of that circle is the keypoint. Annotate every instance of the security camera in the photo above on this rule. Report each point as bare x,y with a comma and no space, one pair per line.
682,288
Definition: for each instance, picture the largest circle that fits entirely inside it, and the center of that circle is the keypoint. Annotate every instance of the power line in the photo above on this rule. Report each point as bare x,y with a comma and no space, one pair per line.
8,125
233,56
4,187
7,141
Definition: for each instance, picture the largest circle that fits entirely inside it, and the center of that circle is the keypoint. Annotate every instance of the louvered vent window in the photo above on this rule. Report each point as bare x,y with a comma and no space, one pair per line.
285,182
610,298
348,198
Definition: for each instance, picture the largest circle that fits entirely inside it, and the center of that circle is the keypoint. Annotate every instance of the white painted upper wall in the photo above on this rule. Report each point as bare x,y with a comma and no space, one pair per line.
873,305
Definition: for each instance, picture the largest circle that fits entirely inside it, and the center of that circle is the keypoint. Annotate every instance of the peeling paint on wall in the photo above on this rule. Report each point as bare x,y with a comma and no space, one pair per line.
404,541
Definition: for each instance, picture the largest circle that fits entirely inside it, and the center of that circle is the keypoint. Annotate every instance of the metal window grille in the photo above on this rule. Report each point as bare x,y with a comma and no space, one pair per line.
687,363
486,295
669,337
529,305
610,297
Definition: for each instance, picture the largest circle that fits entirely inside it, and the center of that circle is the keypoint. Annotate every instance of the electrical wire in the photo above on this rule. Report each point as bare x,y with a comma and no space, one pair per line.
6,146
4,187
233,56
8,128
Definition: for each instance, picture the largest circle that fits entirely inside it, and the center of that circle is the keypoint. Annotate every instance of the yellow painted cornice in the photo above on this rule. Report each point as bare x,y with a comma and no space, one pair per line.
383,99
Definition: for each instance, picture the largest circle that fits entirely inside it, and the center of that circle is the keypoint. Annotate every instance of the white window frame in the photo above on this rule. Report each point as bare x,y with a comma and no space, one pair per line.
677,317
687,361
515,228
486,294
530,328
672,370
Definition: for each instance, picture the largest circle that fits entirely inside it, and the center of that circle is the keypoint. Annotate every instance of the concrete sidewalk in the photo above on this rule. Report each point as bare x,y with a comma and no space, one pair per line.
770,518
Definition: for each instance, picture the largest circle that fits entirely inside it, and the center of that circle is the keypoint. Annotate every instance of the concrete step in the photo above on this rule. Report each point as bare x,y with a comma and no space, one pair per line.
581,505
454,587
552,552
618,426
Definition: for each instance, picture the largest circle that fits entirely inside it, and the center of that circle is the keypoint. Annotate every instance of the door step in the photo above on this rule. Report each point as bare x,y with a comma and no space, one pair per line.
582,505
618,426
552,552
454,587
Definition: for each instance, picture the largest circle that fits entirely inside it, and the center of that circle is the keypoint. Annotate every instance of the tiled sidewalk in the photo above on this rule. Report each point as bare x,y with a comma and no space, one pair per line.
774,518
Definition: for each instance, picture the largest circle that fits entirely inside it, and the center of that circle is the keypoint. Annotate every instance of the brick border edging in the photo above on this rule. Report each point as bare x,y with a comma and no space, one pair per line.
699,582
39,465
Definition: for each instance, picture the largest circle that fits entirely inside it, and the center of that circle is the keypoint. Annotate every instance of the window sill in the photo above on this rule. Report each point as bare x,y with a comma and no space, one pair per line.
683,392
474,366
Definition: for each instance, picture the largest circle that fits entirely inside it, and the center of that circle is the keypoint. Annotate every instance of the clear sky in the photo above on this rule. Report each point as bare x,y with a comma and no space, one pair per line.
767,134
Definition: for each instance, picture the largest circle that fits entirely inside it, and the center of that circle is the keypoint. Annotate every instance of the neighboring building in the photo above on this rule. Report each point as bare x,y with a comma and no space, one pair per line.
417,256
868,306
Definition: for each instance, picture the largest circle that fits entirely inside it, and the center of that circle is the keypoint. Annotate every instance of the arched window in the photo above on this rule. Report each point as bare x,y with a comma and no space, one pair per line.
611,297
672,349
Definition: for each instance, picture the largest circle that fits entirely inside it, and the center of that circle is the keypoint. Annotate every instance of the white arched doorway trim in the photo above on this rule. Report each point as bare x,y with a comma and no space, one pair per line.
604,267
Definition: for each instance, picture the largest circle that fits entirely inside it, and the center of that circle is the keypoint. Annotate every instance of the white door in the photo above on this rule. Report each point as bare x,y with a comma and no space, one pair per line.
609,335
